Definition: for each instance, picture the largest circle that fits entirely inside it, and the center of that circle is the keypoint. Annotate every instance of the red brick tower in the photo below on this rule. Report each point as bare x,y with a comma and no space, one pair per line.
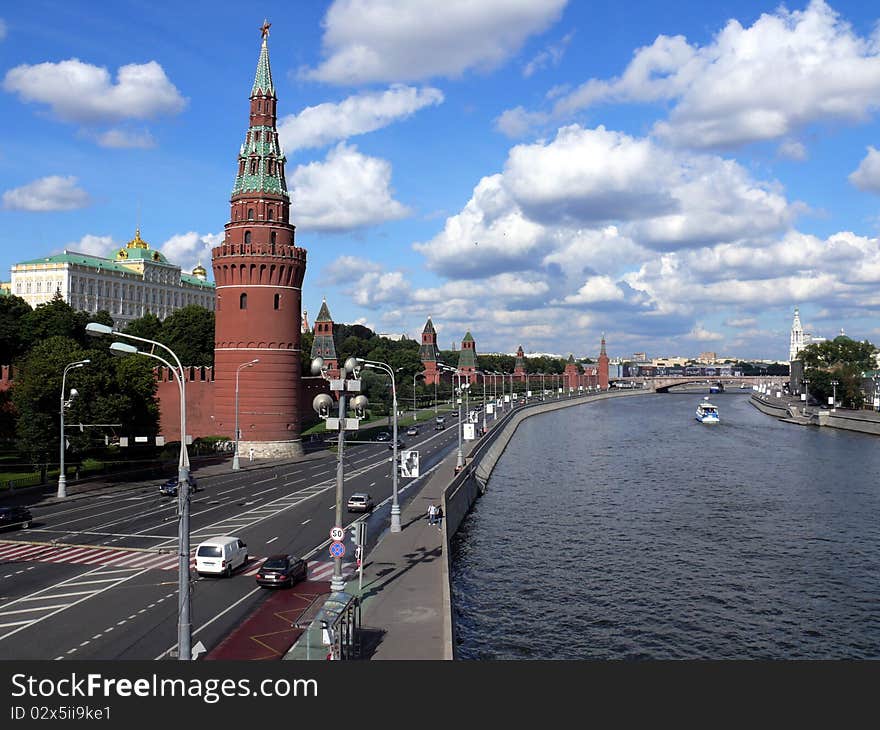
603,366
259,272
467,358
519,368
429,354
571,375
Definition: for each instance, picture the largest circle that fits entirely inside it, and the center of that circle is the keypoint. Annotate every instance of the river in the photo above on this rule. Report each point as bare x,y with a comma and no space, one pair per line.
625,529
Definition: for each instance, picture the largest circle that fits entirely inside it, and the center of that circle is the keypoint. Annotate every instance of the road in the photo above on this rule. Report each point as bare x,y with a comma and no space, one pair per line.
96,577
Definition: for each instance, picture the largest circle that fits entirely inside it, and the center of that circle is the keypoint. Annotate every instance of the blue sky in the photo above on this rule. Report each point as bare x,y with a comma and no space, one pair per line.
679,175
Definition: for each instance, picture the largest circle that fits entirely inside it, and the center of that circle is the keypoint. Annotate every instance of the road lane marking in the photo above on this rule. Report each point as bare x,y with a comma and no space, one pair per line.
272,540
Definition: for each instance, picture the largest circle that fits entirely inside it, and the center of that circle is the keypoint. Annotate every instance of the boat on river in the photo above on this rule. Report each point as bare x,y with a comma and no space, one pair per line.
707,413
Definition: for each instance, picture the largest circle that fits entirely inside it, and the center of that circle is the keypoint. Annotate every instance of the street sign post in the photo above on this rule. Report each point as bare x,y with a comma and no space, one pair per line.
337,534
337,550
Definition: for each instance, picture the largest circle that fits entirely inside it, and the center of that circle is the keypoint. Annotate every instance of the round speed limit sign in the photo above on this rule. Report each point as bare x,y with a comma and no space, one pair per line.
336,534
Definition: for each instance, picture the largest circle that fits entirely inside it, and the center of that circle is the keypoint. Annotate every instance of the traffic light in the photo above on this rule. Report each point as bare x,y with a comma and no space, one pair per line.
355,533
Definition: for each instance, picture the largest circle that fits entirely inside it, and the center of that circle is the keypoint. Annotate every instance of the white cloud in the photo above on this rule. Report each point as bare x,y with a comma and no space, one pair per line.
46,194
785,71
743,322
701,334
551,56
188,249
347,268
316,126
93,245
408,40
517,122
349,190
80,92
791,149
120,138
596,289
867,175
375,288
596,194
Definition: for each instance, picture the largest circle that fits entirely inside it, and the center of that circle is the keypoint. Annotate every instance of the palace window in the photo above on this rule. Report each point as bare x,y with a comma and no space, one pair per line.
253,167
277,301
250,214
247,236
270,215
242,301
273,237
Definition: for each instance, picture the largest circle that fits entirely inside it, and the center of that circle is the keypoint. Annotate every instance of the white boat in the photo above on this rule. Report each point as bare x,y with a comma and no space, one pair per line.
707,413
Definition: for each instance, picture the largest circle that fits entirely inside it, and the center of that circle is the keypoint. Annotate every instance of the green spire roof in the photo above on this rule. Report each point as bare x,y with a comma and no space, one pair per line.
467,337
571,359
263,77
429,328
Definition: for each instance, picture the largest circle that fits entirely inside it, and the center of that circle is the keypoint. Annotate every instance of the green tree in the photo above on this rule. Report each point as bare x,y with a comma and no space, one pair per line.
149,327
842,359
12,311
189,332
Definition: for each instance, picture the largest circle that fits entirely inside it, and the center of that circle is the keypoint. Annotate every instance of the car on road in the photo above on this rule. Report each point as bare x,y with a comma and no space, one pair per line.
360,502
400,444
282,570
383,436
169,488
15,517
221,555
412,431
439,426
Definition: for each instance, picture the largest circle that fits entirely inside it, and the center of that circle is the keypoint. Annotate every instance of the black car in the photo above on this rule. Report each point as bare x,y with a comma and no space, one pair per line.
15,517
383,436
439,426
400,444
169,488
282,570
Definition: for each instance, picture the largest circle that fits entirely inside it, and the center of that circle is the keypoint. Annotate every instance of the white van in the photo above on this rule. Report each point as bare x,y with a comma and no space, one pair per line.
220,555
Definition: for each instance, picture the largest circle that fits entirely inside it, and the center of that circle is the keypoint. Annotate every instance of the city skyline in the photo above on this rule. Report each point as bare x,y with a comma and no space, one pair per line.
537,173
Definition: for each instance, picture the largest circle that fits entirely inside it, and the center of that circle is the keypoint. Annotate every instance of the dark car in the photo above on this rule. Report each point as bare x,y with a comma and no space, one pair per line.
383,436
439,426
282,570
400,444
15,517
169,488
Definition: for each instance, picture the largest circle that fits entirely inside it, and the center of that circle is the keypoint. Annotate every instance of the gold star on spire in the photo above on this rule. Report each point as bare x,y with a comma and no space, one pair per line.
264,29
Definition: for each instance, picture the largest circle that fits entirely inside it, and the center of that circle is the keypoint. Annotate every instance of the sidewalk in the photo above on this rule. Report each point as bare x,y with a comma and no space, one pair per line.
404,608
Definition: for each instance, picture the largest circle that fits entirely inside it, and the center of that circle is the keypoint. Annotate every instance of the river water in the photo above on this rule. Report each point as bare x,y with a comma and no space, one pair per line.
625,529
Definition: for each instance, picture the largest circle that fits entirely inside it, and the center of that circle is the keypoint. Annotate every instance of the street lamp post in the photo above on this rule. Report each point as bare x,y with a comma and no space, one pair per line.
238,370
322,403
484,399
834,384
806,395
62,476
415,412
395,505
184,624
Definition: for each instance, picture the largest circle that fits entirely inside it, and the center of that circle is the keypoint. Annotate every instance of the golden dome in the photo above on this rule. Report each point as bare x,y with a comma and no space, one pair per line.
137,241
200,270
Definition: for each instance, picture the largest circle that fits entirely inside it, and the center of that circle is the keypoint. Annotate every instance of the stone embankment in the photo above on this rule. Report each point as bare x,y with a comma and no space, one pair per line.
792,411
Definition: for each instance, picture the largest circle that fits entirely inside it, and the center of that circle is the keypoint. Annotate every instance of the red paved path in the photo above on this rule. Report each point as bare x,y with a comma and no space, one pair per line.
268,633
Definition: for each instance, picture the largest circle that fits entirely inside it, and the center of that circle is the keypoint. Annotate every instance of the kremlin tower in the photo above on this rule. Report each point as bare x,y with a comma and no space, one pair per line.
519,368
429,354
467,358
603,366
259,272
324,345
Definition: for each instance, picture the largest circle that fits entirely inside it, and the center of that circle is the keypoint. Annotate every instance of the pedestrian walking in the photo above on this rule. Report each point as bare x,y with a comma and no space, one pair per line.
431,513
438,517
251,453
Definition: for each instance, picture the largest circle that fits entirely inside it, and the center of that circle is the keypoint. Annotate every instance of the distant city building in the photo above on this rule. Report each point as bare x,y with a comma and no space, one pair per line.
393,337
707,357
640,357
669,362
138,280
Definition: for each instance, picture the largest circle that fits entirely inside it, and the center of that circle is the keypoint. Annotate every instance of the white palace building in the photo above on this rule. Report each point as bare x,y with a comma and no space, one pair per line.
138,280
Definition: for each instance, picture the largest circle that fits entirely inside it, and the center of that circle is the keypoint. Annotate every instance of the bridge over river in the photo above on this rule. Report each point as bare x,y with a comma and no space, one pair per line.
664,383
